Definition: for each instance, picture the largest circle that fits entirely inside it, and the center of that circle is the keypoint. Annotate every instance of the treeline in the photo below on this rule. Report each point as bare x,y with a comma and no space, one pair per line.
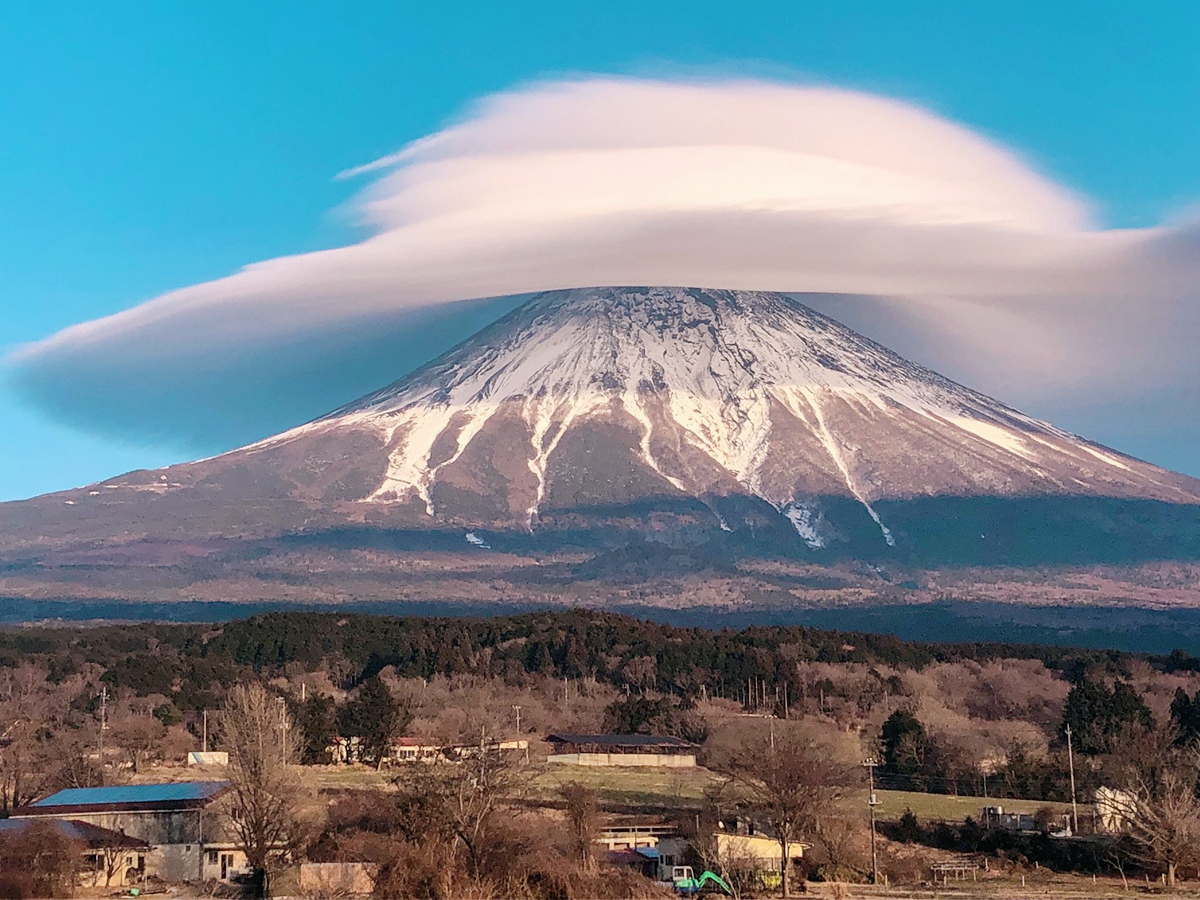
193,664
984,719
1106,726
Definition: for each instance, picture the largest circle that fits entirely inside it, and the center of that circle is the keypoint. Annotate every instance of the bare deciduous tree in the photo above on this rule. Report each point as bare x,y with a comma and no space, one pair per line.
264,811
583,820
463,800
1163,817
845,840
112,859
790,780
139,737
40,861
30,711
741,871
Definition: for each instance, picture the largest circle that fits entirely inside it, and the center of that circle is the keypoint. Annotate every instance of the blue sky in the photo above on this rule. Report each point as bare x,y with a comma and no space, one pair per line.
147,146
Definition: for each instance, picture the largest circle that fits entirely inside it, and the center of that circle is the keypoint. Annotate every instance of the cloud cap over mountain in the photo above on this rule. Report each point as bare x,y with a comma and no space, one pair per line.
921,233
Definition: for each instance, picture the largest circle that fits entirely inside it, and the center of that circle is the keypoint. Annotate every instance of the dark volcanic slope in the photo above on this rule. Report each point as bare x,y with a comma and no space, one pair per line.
736,419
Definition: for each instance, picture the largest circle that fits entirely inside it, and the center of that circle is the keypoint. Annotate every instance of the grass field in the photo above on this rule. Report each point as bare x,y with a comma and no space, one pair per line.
685,788
943,808
665,788
641,787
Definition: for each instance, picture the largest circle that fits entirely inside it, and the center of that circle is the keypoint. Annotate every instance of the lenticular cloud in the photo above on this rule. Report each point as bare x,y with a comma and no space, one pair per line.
567,152
915,230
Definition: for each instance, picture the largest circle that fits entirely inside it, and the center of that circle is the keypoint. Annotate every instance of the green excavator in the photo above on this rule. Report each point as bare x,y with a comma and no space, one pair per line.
684,881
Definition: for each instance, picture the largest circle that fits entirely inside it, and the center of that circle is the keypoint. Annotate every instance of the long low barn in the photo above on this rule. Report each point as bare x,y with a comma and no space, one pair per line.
622,750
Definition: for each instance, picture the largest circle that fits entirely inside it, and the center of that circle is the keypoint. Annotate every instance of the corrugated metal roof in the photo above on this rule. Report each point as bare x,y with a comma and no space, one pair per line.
133,794
621,740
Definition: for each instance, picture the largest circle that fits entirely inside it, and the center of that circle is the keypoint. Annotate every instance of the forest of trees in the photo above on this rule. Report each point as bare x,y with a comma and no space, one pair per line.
976,719
189,662
967,718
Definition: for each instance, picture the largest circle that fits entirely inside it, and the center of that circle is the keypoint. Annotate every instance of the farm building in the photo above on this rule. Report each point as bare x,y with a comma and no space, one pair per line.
410,749
654,846
621,750
182,824
348,751
741,847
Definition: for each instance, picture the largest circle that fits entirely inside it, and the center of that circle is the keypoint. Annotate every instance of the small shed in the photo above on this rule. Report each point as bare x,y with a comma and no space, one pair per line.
622,750
208,758
338,879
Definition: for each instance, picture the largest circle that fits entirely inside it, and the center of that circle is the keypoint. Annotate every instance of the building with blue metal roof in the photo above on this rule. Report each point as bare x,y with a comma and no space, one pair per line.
184,822
179,794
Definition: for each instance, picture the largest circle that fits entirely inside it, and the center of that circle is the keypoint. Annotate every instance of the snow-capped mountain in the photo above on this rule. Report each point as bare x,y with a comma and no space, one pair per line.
604,417
609,396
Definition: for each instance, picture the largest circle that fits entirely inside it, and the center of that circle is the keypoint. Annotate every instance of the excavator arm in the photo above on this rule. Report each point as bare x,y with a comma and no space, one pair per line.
716,879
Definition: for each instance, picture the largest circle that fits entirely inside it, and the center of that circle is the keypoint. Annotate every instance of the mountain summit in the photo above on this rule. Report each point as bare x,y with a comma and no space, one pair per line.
610,396
600,416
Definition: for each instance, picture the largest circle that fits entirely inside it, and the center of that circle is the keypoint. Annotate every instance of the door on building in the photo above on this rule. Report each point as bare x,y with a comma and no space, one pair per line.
226,865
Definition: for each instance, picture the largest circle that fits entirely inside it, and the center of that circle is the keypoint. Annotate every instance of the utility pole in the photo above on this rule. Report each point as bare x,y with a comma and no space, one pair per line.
517,710
283,726
871,763
1071,766
204,732
103,720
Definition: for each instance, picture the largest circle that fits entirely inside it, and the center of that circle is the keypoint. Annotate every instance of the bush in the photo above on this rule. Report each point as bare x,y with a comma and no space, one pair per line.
38,861
907,867
908,829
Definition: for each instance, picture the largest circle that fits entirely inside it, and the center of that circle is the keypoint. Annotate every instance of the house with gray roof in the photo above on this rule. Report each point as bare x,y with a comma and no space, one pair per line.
108,858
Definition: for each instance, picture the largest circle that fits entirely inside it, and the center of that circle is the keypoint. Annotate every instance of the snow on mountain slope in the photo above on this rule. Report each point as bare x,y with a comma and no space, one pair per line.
608,396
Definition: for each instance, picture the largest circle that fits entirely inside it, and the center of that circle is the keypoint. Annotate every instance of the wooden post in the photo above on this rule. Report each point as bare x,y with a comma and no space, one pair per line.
1071,765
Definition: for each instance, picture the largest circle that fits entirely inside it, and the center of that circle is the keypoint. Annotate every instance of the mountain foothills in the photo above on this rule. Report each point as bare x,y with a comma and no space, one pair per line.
612,435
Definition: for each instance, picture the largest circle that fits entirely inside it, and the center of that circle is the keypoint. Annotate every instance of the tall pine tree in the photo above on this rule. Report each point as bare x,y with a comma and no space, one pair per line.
376,718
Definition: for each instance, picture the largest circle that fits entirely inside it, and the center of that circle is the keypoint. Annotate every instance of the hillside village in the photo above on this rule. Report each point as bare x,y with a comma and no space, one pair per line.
520,763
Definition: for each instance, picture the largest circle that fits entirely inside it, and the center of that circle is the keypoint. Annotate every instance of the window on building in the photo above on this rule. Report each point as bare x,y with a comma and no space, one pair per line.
212,857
